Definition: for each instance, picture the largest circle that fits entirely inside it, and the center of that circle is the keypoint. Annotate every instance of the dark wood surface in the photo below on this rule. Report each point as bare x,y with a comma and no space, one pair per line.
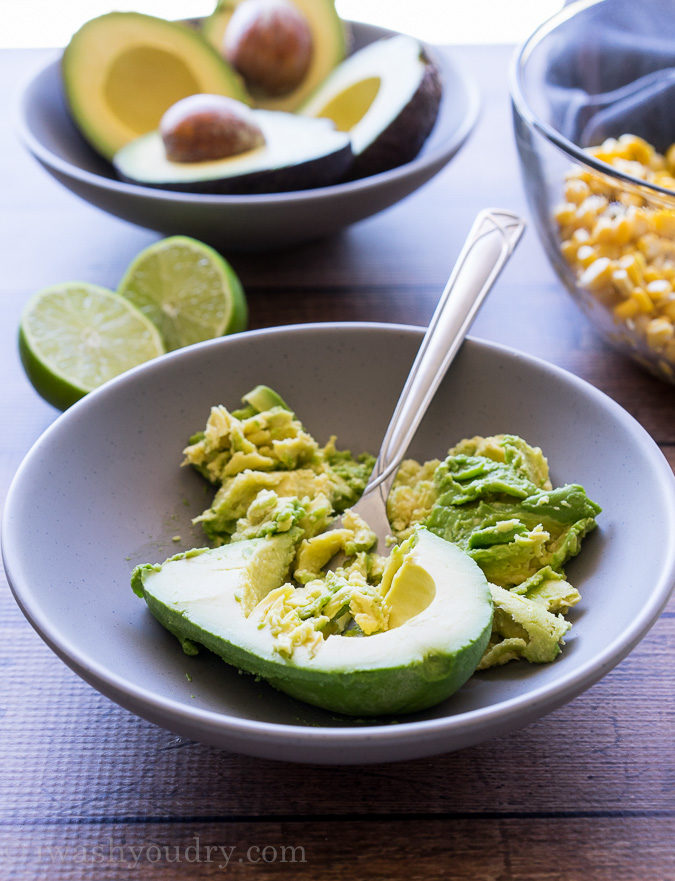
88,790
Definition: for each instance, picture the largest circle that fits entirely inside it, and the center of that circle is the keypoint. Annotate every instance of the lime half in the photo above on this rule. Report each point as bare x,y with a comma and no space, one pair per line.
187,290
75,336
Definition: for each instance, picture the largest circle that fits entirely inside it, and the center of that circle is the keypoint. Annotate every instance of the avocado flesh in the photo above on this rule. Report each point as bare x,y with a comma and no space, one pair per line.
262,397
439,599
387,97
329,46
298,154
121,71
294,497
256,455
493,498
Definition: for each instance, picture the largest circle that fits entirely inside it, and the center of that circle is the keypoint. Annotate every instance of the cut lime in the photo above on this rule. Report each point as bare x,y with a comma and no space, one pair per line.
187,290
75,336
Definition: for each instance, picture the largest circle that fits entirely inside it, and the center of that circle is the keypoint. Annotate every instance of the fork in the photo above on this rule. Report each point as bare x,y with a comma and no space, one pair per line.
491,241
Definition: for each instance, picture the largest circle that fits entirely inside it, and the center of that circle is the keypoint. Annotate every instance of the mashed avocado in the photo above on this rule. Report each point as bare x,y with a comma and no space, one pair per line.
491,497
271,474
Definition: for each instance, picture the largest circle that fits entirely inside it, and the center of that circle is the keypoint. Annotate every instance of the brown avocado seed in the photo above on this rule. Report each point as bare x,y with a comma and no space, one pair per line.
270,43
203,127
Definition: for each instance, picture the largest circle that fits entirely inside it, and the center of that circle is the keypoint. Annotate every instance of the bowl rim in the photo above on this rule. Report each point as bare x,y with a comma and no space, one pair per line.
423,160
508,713
578,154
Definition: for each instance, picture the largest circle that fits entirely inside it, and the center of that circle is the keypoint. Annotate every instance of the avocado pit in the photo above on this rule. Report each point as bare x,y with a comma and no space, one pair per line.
207,127
270,43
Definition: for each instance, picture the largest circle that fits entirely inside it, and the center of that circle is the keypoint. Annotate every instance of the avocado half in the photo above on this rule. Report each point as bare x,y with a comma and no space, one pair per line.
441,611
123,70
328,36
387,97
298,154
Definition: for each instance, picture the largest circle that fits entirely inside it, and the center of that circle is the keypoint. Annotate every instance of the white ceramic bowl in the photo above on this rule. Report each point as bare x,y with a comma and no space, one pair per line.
240,222
102,490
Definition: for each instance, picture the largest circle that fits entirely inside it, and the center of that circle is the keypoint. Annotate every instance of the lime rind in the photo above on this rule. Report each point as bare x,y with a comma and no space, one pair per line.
75,336
187,289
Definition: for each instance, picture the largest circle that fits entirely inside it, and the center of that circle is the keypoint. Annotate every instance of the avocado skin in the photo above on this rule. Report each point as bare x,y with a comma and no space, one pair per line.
319,172
403,138
376,692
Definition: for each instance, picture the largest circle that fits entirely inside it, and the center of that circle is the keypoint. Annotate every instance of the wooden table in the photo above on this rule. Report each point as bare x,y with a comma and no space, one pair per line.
88,790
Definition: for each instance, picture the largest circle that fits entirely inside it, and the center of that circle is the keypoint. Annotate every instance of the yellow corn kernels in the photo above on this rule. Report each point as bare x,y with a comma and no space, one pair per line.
620,243
659,332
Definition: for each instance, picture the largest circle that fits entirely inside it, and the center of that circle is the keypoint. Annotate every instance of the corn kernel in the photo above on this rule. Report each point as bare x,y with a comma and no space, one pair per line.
643,300
597,274
650,247
659,289
670,157
668,311
576,191
633,267
637,148
622,282
640,323
612,252
626,310
630,166
663,179
664,223
659,332
629,198
566,214
589,209
604,231
607,150
586,255
581,235
568,249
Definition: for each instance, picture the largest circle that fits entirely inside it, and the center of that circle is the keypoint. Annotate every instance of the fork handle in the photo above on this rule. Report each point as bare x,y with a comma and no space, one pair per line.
491,241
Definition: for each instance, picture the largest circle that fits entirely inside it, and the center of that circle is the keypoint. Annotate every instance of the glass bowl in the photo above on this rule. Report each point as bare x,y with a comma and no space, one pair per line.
593,98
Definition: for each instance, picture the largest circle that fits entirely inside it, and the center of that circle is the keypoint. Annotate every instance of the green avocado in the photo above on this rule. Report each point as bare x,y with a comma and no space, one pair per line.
427,624
492,496
123,70
511,527
269,470
262,397
387,97
329,46
475,580
298,154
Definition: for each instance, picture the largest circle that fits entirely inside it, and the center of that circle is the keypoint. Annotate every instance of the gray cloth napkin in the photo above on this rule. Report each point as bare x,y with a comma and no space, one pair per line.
611,75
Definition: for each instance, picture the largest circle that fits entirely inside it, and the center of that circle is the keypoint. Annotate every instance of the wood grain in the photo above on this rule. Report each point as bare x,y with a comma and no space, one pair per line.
584,793
453,848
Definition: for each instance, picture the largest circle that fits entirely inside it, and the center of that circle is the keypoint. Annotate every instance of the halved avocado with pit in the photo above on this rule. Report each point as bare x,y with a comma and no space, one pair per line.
387,97
298,154
123,70
329,46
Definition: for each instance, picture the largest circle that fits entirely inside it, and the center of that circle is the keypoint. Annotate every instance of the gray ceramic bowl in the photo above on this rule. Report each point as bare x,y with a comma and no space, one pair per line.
239,222
102,490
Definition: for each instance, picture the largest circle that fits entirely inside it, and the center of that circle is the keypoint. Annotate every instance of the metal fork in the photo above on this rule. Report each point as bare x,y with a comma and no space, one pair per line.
491,241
